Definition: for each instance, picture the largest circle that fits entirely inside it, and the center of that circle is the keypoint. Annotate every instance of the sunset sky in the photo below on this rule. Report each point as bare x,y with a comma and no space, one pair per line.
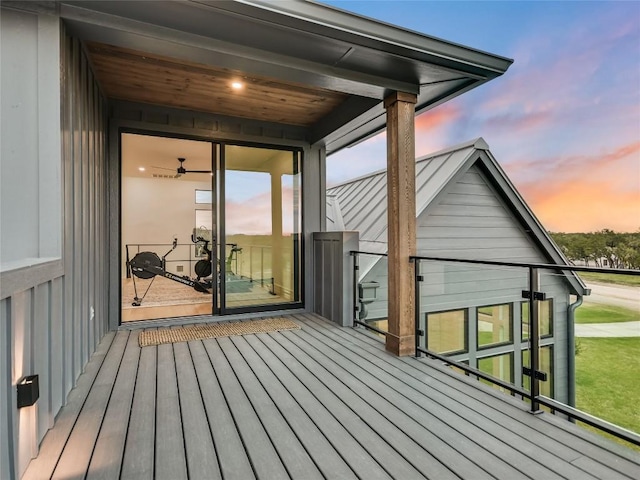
564,121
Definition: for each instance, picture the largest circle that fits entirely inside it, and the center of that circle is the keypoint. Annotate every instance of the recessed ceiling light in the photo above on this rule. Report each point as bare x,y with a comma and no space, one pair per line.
142,169
237,85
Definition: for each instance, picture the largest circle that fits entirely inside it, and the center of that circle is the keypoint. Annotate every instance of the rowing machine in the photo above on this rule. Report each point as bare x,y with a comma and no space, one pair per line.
148,265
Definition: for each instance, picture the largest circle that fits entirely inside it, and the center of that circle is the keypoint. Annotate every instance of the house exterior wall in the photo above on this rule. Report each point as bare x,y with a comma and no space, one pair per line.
470,221
52,308
151,119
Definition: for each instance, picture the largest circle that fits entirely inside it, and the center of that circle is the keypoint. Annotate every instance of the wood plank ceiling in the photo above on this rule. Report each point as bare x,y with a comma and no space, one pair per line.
137,76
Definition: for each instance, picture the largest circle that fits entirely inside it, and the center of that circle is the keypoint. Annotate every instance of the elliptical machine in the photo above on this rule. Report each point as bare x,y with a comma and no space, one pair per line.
148,265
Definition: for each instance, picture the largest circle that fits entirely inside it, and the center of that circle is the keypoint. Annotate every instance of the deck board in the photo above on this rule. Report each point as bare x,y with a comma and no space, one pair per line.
76,456
565,441
319,402
170,460
376,446
324,455
106,460
513,449
295,458
139,461
226,435
202,459
55,440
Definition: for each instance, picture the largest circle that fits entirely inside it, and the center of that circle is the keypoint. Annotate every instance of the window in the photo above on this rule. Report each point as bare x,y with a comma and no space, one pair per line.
447,331
545,316
494,325
498,366
546,366
204,196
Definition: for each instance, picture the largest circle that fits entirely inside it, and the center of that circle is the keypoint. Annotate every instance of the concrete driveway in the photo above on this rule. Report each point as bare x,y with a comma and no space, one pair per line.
617,295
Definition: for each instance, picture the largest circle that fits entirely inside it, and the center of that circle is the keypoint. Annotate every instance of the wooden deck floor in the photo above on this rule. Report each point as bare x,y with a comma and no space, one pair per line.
320,402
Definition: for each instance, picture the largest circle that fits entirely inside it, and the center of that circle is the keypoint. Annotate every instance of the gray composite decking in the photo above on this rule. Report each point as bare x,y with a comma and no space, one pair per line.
319,402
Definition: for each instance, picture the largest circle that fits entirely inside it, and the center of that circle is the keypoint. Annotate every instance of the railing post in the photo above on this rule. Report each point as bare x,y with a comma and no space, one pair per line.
356,271
251,263
416,283
261,266
534,287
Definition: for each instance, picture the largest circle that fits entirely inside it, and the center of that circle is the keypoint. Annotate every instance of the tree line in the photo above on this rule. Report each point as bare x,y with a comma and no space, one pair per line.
605,248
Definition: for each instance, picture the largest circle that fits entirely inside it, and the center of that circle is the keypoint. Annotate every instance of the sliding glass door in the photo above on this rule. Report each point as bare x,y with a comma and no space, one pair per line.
208,228
260,191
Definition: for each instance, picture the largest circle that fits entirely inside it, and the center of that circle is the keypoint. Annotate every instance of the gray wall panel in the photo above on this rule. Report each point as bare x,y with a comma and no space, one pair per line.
333,275
6,392
54,313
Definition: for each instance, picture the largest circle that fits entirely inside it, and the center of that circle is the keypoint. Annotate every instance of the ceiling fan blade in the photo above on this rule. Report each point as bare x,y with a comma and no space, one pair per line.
163,168
197,171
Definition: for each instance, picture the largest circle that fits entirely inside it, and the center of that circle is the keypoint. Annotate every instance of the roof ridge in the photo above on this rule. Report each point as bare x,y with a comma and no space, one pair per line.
478,143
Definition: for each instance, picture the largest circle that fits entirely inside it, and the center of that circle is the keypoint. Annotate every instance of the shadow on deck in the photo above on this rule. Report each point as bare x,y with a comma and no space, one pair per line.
319,402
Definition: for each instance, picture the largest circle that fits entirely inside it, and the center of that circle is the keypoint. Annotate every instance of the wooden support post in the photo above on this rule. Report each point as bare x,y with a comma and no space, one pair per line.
401,219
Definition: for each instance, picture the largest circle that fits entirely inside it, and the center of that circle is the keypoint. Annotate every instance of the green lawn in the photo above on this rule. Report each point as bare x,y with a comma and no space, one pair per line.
599,313
607,380
631,280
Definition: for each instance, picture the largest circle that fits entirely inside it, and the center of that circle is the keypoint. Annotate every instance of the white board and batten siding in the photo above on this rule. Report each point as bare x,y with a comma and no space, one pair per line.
52,308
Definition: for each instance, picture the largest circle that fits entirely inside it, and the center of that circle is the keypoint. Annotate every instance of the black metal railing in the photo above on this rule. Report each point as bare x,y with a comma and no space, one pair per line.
534,295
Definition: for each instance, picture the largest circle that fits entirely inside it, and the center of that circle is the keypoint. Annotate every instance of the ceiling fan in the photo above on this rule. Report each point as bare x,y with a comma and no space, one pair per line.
181,170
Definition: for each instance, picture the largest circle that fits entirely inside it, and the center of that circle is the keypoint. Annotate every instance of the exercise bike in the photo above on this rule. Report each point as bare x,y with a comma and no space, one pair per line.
148,265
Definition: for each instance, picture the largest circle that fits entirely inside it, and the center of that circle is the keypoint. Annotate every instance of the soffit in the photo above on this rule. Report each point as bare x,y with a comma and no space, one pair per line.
347,63
126,74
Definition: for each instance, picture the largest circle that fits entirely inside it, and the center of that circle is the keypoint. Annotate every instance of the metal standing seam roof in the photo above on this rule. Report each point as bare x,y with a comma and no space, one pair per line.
361,204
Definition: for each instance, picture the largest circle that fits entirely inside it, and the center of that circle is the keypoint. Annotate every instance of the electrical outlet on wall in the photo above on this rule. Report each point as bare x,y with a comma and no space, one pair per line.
179,268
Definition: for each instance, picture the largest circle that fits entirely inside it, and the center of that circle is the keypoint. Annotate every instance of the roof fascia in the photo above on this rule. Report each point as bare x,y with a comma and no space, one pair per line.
374,121
366,32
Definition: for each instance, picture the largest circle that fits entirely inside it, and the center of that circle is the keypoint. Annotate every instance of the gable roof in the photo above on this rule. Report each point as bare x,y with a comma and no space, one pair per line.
361,204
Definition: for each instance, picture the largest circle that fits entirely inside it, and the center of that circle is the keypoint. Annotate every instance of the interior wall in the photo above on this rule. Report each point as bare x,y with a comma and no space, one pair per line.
157,210
53,313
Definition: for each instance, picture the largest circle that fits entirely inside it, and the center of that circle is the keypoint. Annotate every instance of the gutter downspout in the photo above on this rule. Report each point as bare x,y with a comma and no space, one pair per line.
571,348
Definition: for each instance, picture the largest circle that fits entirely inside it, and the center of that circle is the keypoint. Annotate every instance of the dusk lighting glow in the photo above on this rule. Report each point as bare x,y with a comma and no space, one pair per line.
563,121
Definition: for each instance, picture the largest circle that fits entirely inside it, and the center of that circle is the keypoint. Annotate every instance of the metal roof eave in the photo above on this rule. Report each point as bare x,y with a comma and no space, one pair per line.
374,120
189,30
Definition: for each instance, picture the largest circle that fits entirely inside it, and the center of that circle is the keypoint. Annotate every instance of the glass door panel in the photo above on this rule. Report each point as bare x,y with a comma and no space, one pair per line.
261,192
165,273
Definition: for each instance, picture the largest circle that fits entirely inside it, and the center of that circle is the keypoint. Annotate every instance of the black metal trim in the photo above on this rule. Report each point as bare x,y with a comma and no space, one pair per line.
370,327
547,266
610,428
478,373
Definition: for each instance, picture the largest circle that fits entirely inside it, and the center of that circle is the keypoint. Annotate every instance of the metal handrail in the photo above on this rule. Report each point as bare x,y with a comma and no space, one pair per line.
548,266
533,395
474,371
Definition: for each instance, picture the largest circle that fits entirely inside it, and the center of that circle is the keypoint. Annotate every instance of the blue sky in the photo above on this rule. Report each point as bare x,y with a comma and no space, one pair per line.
564,121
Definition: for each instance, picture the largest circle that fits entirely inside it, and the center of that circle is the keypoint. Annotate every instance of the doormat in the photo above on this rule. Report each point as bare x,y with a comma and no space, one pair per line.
214,330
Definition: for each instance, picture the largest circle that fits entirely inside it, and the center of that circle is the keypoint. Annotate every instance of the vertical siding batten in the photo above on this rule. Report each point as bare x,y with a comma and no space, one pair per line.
7,465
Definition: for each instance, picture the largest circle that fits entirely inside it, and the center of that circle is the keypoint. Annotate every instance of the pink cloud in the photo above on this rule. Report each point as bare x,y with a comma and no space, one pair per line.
253,216
584,192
